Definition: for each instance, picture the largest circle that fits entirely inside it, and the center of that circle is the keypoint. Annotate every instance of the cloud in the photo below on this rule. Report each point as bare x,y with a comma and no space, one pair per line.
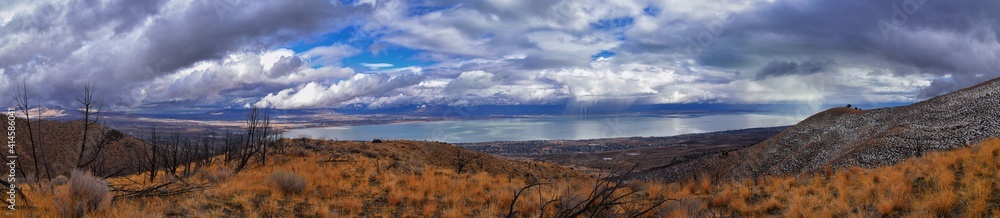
122,47
490,28
313,94
291,54
784,68
239,75
470,81
935,39
376,66
330,55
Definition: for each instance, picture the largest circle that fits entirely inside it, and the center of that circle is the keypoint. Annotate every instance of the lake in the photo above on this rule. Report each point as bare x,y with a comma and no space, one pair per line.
548,128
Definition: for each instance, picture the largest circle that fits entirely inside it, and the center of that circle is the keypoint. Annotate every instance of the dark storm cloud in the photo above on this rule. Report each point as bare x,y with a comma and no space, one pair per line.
120,46
285,66
209,31
252,91
945,85
783,68
84,16
905,37
78,17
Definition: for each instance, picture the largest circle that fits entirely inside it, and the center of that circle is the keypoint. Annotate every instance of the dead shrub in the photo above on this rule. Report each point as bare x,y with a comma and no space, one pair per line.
220,175
298,152
370,154
412,167
288,182
86,193
281,159
59,180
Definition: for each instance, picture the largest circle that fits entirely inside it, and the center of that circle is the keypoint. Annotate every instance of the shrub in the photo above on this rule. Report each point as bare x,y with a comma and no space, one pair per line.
114,135
281,159
93,191
220,175
298,152
705,184
59,180
369,154
288,182
412,167
941,202
86,193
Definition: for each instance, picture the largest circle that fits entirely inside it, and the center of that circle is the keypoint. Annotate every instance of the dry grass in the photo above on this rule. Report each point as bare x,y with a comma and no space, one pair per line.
959,183
384,183
392,180
217,175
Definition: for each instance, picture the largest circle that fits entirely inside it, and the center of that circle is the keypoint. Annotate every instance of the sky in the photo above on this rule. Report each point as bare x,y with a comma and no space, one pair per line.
295,54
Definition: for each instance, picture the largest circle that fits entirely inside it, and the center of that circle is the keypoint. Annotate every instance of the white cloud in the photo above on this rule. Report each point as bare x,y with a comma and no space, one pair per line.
470,80
330,55
314,95
269,59
207,81
376,66
607,79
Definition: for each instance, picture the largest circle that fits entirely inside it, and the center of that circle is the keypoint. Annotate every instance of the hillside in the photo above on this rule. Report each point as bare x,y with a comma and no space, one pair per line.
843,137
956,183
351,179
59,146
321,178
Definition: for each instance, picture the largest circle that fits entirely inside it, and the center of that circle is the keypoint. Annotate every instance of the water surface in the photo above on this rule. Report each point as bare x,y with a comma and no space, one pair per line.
547,128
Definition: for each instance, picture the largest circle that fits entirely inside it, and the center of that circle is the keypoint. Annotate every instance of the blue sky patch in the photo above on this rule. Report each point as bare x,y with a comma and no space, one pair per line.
398,56
652,10
344,36
602,54
614,23
422,10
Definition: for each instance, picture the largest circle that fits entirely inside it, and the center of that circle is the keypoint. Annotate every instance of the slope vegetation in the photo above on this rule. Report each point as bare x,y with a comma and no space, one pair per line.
844,137
957,183
317,178
56,144
346,179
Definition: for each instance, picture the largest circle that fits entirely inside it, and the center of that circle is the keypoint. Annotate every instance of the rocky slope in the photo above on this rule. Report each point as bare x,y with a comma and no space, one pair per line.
841,137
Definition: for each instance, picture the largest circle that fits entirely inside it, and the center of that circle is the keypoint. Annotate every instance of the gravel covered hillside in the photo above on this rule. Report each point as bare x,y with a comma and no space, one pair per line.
842,137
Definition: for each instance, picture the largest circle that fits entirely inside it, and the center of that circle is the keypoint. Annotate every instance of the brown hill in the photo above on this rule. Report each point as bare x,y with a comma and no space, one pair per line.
841,137
59,147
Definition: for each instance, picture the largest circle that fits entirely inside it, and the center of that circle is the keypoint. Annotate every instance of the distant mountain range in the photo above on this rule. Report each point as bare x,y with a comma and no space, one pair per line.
842,137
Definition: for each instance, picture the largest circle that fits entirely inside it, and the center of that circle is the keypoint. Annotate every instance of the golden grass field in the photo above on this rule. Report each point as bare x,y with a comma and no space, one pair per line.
958,183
